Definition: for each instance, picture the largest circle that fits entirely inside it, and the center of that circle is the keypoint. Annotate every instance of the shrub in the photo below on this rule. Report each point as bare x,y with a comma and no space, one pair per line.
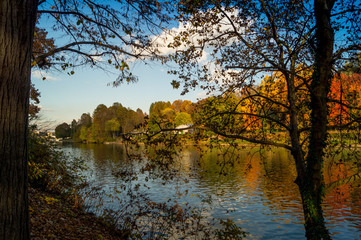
50,169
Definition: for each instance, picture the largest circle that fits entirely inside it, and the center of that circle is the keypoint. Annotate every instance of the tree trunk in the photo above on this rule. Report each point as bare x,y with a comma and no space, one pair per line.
312,185
314,221
17,20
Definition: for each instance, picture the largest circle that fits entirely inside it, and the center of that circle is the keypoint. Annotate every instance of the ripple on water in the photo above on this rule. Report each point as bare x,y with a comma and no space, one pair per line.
259,196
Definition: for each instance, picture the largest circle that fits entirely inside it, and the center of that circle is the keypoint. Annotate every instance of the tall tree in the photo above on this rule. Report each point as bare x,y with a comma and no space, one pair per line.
244,41
17,22
95,31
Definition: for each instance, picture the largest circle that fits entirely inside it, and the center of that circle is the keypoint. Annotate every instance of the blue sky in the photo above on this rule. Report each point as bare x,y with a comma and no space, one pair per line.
64,97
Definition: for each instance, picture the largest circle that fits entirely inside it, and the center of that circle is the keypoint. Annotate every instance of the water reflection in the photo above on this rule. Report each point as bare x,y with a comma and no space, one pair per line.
255,189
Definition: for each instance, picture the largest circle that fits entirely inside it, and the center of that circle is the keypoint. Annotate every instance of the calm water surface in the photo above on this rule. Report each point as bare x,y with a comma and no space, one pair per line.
258,193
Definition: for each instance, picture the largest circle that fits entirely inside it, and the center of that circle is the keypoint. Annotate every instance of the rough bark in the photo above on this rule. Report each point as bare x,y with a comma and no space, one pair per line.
312,186
17,20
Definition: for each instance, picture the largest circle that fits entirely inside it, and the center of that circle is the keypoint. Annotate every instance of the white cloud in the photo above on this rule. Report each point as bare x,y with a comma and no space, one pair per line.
40,75
195,35
162,43
42,108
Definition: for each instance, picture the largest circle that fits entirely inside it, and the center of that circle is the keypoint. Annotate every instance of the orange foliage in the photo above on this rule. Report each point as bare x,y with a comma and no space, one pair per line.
275,87
249,122
265,106
345,89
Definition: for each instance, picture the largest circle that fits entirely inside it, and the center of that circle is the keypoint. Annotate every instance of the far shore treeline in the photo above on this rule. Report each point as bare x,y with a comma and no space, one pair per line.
109,123
224,111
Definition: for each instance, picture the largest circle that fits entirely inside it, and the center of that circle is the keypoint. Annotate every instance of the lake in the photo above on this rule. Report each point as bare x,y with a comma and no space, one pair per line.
256,190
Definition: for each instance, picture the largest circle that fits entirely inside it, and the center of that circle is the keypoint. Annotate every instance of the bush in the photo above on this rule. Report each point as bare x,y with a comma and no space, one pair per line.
50,169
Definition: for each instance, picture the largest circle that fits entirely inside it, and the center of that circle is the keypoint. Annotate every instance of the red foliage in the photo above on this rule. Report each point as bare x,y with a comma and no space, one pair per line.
345,90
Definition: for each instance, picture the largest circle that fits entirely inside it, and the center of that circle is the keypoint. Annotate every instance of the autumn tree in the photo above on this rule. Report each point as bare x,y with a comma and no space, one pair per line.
62,130
176,105
246,40
140,118
204,113
345,89
90,32
127,118
187,106
183,118
157,117
112,126
107,123
85,121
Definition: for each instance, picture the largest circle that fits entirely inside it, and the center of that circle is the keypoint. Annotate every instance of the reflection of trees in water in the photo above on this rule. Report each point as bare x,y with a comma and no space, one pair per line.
268,174
273,173
189,158
343,202
278,187
356,205
103,158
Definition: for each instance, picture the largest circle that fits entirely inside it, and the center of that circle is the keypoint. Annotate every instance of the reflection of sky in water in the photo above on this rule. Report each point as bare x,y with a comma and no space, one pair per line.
258,194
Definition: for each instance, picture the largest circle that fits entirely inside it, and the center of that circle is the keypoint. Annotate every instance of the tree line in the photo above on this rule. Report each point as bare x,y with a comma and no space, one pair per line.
238,112
263,107
109,123
105,124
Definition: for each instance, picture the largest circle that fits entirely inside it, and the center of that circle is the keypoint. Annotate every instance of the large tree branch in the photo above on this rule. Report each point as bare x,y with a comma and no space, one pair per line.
41,2
90,20
248,139
346,11
251,68
167,130
67,47
234,136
